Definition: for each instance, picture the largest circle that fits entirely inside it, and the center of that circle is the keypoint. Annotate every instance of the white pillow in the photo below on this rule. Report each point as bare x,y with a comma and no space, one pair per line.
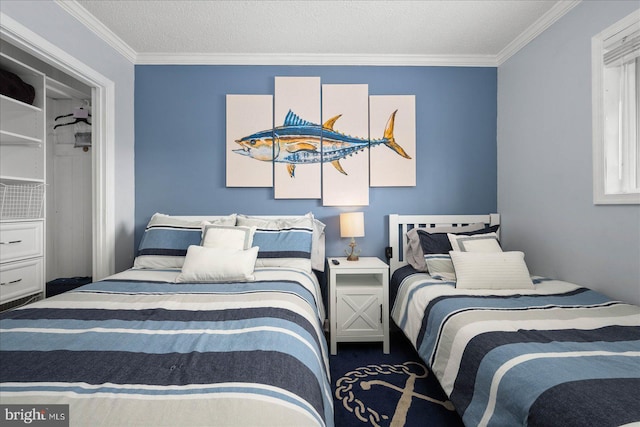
226,236
487,242
318,244
491,270
218,265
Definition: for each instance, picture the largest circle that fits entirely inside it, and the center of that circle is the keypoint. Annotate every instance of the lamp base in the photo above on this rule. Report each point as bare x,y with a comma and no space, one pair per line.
353,255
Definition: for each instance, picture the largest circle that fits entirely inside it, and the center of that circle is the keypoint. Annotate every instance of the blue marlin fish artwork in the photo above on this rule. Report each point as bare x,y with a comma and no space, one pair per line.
299,142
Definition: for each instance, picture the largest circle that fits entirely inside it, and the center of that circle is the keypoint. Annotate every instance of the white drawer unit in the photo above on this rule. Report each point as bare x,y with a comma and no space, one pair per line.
20,240
358,301
20,279
23,179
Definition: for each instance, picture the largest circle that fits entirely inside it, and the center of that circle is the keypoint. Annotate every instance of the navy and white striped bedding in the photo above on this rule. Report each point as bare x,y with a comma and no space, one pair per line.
137,349
559,355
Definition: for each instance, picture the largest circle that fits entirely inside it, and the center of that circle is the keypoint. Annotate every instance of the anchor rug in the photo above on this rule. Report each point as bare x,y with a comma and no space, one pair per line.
376,389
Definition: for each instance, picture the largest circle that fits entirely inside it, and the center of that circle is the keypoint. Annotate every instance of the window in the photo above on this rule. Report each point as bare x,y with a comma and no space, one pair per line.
616,112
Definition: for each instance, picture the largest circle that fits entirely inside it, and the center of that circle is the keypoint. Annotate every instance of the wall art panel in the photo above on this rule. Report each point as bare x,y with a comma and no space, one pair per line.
297,168
392,125
345,145
249,148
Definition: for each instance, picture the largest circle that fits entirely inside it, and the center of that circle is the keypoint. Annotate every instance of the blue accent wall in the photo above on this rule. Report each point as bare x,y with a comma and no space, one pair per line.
180,136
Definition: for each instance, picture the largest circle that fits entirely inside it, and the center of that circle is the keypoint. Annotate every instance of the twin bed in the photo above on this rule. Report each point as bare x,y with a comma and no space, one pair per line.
154,346
508,353
213,337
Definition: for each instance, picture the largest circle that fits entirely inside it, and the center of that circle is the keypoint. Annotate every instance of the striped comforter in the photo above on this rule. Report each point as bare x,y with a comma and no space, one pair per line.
560,355
138,349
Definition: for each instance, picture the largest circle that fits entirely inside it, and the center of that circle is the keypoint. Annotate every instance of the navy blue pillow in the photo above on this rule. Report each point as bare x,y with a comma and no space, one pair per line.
438,243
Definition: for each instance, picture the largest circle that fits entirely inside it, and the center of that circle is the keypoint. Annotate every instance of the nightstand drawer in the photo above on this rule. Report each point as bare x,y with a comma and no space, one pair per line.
20,240
19,279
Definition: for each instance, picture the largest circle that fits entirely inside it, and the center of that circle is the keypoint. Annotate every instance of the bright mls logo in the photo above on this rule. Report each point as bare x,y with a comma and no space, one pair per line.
36,415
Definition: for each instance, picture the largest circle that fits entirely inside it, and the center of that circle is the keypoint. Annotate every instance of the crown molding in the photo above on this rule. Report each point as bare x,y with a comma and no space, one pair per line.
544,22
535,29
316,59
88,20
97,27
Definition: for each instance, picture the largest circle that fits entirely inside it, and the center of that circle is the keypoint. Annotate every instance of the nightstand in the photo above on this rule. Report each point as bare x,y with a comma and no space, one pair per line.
358,301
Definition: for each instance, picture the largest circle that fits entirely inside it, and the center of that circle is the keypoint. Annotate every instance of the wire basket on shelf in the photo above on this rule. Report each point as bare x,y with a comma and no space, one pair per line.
21,201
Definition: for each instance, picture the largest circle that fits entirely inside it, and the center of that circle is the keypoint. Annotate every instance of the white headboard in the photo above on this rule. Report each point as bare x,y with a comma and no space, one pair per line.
400,224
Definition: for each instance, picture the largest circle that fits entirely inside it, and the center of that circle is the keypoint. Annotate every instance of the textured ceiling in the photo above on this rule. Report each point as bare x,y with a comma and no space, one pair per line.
425,28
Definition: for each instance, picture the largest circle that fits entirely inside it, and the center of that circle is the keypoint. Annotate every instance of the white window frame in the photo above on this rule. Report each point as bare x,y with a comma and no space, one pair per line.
600,196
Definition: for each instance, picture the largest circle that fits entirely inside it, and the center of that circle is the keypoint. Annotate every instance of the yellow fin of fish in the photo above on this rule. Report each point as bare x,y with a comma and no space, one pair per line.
388,134
336,164
291,168
329,123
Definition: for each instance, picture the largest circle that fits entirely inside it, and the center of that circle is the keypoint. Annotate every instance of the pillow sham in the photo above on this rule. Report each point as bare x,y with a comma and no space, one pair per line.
273,236
475,243
415,252
227,236
218,265
440,266
438,243
491,270
166,239
288,247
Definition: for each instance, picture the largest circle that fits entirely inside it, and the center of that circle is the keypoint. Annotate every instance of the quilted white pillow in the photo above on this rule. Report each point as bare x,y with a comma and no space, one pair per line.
491,270
487,242
226,236
218,265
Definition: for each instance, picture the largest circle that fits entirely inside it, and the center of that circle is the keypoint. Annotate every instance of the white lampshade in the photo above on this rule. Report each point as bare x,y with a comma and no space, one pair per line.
352,224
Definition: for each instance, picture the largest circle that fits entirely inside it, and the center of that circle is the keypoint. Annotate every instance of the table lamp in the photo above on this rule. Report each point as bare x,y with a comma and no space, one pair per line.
352,225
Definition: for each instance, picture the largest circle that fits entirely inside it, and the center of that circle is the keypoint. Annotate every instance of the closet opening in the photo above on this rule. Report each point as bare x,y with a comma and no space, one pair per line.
15,36
55,134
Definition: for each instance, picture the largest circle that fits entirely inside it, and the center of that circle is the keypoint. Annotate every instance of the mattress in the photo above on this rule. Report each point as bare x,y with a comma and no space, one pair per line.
559,354
139,349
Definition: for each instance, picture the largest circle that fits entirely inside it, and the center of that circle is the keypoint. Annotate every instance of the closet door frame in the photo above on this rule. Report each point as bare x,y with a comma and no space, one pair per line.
103,130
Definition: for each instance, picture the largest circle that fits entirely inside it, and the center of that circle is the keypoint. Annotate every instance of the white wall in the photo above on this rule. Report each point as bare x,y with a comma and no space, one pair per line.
69,190
545,162
51,22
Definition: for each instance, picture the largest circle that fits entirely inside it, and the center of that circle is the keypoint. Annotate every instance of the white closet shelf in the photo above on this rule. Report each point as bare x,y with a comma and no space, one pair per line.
12,138
14,180
10,104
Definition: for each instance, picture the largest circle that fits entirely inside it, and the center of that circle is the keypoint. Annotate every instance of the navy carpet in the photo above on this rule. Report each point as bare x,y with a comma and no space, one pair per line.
376,389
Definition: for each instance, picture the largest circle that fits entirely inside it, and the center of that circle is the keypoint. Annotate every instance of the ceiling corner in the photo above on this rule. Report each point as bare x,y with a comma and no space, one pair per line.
535,29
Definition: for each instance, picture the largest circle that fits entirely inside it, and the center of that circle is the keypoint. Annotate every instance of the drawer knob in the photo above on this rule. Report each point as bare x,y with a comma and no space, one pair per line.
11,242
11,282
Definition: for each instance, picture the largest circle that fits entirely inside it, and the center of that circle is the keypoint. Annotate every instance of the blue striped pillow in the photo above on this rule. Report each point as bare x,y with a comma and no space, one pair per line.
166,240
286,247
